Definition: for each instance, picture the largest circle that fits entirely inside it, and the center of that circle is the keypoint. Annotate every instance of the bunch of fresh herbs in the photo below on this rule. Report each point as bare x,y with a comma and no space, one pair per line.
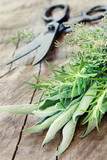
79,86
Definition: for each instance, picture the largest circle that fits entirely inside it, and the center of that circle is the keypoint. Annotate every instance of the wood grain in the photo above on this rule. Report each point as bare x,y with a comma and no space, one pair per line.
15,16
11,125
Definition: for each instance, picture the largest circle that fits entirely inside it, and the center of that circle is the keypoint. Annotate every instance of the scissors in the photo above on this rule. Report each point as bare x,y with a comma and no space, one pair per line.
56,26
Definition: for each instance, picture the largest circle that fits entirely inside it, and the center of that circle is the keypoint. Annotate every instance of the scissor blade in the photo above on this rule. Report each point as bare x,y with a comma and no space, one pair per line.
47,42
29,48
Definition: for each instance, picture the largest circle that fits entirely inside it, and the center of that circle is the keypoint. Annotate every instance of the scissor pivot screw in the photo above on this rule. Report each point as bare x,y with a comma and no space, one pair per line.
51,27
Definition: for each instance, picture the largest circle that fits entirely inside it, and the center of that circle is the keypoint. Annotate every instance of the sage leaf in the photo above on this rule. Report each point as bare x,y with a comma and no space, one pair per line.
42,125
46,112
49,101
59,123
85,102
68,133
91,126
59,105
75,100
19,109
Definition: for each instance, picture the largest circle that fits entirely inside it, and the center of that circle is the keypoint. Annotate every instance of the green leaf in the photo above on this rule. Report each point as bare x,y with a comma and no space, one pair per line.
85,84
90,75
79,85
72,68
85,102
59,123
91,126
51,68
73,89
88,117
68,133
59,106
60,98
42,125
19,109
47,112
36,77
49,101
81,64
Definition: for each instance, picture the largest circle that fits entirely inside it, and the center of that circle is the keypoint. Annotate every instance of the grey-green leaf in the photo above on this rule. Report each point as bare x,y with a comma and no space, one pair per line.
91,126
42,126
85,102
19,109
46,112
59,123
59,105
49,101
53,100
68,133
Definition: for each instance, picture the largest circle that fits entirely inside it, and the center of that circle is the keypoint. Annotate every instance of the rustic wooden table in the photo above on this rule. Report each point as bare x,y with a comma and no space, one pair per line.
15,16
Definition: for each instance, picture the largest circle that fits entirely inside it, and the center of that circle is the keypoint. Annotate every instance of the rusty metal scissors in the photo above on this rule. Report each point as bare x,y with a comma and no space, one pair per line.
56,26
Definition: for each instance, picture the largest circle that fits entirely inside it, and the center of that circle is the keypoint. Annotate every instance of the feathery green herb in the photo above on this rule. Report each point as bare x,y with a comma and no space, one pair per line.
26,35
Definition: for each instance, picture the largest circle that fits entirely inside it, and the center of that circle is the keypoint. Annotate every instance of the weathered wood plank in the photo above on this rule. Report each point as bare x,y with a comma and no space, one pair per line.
12,94
10,125
11,24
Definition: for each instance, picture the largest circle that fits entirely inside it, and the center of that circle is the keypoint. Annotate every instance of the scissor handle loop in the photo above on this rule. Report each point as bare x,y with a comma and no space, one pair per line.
94,18
64,17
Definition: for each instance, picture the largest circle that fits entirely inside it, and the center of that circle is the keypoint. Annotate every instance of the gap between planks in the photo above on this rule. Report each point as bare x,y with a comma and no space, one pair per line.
25,120
26,117
24,123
